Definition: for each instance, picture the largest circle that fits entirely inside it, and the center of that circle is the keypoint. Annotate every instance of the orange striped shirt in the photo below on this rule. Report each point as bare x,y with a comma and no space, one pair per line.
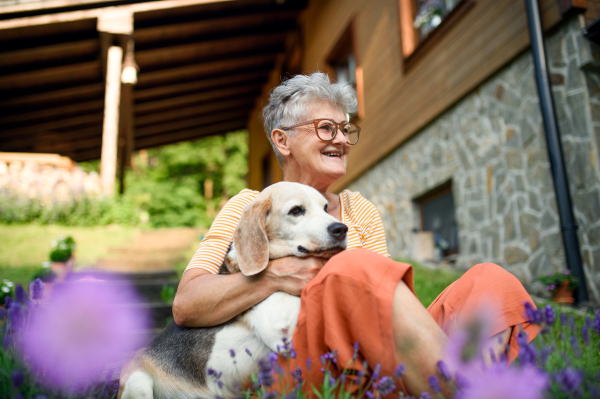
365,229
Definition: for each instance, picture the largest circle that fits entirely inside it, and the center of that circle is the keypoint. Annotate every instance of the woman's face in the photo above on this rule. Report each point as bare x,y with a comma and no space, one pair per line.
318,161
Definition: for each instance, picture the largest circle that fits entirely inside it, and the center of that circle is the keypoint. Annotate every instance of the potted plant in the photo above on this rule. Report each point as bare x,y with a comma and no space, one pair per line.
62,256
561,285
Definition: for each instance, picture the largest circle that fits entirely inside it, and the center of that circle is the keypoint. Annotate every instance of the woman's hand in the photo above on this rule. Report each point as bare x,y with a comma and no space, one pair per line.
204,299
291,274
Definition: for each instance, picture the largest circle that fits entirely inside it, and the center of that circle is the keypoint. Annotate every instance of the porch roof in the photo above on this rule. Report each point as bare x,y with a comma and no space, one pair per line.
202,65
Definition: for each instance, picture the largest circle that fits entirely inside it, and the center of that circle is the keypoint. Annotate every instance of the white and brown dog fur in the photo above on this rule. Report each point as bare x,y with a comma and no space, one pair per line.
286,219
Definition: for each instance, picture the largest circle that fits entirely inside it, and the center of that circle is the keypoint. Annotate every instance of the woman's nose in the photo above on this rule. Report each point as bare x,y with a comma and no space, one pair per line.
339,137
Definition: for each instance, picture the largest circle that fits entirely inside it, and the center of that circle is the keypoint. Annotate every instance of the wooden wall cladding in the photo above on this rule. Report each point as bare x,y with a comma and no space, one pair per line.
399,103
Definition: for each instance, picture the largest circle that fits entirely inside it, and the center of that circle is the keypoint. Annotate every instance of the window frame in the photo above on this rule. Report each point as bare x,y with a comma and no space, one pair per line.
411,49
349,39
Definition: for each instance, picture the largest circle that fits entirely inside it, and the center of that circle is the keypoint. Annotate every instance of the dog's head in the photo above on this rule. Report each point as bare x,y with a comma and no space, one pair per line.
286,219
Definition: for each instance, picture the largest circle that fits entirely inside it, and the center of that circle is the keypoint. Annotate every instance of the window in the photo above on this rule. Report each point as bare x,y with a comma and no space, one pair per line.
344,64
438,216
422,21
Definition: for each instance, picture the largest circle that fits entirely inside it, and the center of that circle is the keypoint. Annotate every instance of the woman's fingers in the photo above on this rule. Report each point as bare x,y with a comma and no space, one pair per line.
291,274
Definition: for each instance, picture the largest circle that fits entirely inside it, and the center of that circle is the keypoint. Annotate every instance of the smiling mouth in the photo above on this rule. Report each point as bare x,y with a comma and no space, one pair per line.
332,154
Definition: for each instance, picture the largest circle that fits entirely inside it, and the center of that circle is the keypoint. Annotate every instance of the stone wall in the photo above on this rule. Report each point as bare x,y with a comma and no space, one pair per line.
491,145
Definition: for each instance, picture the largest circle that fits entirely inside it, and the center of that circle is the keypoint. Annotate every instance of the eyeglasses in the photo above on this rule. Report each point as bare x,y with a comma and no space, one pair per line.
326,129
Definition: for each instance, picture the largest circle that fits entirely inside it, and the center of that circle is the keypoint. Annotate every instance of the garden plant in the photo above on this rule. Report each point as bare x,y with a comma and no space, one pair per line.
64,344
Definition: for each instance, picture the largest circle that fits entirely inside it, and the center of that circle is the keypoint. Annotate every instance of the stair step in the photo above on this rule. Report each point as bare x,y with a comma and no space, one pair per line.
136,264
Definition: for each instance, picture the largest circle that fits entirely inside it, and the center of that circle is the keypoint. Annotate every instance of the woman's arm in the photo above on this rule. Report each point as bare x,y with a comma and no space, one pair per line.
204,299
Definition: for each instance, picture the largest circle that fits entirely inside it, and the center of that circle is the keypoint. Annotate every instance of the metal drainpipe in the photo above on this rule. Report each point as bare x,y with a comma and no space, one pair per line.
559,173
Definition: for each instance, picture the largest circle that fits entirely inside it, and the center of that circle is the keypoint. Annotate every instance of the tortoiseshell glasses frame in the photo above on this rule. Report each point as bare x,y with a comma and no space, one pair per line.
324,128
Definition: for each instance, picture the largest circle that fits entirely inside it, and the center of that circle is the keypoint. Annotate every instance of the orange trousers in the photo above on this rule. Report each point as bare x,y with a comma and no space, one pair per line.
350,300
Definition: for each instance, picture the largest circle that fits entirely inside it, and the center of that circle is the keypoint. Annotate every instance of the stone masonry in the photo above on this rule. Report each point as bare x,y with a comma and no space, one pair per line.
491,146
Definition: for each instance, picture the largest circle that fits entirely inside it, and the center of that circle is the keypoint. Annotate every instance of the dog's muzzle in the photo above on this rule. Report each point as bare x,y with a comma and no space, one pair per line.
337,231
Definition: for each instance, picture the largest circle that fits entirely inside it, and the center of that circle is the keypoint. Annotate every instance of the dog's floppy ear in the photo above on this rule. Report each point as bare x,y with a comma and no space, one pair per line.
250,237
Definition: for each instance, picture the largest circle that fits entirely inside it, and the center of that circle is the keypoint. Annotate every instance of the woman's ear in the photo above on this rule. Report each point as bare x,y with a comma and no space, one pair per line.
281,141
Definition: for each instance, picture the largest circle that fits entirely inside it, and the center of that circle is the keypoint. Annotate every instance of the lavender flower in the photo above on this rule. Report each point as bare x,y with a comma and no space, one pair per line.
265,373
571,323
527,352
534,315
16,315
376,371
569,380
248,352
425,395
7,302
297,375
501,381
2,314
20,295
36,289
17,378
563,319
546,351
585,335
575,345
597,321
399,371
444,371
434,384
231,353
308,364
216,377
549,315
83,328
384,386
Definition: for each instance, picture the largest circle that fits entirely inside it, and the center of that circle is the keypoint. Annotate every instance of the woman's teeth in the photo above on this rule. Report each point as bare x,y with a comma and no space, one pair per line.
332,154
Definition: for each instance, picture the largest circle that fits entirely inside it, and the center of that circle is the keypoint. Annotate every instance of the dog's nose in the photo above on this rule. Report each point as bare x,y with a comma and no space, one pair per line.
337,230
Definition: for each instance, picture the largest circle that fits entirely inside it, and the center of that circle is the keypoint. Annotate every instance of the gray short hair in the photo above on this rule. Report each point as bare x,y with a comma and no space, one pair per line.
288,102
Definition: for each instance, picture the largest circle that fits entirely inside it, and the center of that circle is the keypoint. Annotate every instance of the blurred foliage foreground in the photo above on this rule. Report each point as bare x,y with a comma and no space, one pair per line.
182,184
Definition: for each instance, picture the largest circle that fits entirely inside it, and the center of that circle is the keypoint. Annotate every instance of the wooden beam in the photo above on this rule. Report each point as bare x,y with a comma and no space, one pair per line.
62,112
182,113
77,93
110,129
50,76
96,12
196,71
568,6
212,95
186,53
73,28
49,53
169,33
171,90
190,134
189,123
58,124
27,142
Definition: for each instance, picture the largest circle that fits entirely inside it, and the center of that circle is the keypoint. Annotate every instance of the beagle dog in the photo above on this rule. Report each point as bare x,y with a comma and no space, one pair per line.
286,219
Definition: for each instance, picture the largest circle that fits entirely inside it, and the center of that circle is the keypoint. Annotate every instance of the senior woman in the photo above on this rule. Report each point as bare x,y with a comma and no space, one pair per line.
360,295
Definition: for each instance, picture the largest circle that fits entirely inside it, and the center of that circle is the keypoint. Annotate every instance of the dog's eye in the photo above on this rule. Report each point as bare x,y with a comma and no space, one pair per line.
325,208
296,211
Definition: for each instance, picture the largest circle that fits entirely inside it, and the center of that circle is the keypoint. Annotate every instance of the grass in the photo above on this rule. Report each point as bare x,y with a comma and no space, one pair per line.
23,248
429,283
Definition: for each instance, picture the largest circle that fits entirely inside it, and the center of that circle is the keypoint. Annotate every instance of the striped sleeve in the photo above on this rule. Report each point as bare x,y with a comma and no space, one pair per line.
213,247
364,213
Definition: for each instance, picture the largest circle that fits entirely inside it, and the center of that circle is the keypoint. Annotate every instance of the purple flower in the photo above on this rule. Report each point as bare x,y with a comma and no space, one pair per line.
16,315
7,302
501,381
575,345
215,376
444,371
563,319
231,353
2,314
434,384
534,315
527,352
384,386
36,289
6,340
376,371
597,322
248,352
297,375
83,327
546,351
569,380
585,335
425,395
308,364
17,378
20,295
265,373
399,371
567,272
549,315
